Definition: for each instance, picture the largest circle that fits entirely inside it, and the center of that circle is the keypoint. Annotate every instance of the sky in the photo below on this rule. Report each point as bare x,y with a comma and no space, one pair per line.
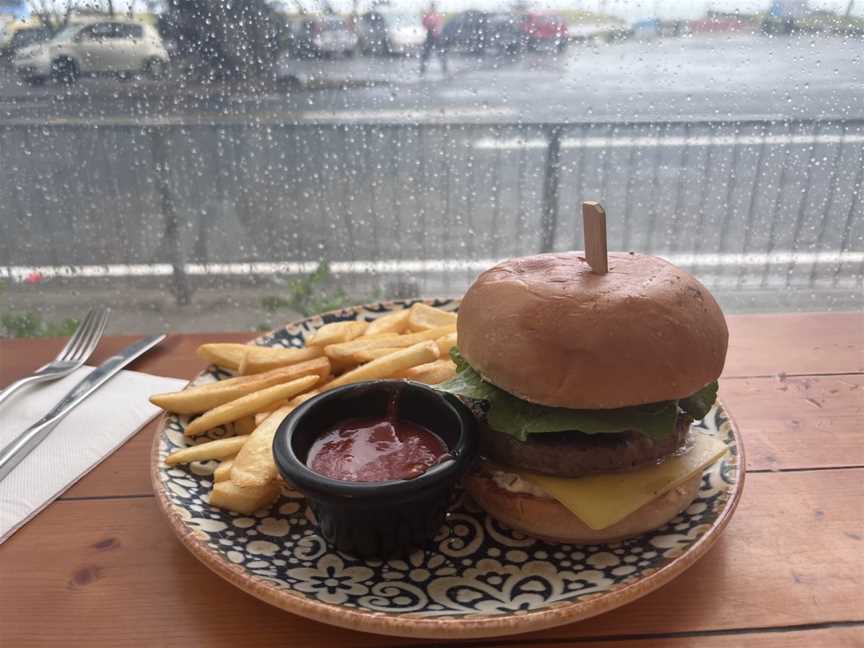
629,10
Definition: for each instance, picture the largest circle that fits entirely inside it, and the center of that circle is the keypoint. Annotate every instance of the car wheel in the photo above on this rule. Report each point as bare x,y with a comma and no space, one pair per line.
65,71
155,69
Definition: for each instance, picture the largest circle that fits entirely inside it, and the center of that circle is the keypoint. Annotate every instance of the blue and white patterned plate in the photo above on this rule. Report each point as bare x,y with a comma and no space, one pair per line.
477,579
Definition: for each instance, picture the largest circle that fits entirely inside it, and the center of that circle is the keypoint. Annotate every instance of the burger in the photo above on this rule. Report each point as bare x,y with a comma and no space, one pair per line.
586,385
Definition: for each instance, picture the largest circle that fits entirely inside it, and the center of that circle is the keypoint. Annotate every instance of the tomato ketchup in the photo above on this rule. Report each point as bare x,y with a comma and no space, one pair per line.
375,449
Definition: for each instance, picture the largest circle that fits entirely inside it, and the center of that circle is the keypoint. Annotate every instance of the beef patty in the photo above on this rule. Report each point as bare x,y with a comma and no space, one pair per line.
573,454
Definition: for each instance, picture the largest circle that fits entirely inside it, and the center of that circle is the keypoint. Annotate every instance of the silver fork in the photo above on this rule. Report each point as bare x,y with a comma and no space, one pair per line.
73,355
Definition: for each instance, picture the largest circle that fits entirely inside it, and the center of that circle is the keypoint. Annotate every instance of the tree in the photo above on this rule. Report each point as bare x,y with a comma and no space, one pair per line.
236,39
52,13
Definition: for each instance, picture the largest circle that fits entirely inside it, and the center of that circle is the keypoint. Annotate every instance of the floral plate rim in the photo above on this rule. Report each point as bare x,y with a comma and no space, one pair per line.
406,625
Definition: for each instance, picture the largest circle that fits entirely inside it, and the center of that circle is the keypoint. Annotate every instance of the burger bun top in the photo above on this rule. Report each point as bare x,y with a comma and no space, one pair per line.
548,330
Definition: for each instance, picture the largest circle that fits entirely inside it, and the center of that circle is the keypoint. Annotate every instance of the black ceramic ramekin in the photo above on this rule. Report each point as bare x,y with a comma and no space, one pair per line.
378,519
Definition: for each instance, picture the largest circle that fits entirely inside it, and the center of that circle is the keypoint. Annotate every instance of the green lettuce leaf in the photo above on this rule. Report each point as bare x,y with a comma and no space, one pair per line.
519,418
699,404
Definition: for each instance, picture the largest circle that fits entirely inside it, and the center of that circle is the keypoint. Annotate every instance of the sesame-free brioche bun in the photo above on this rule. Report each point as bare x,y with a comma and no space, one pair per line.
549,331
548,519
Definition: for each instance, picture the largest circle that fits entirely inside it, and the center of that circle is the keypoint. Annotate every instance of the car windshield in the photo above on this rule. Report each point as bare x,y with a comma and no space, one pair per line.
68,33
29,36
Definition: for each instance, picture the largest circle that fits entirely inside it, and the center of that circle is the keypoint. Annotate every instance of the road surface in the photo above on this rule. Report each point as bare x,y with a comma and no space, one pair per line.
694,77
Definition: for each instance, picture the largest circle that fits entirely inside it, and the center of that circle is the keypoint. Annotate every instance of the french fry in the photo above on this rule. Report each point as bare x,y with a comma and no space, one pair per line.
430,373
254,464
294,402
244,425
422,317
261,416
259,359
337,332
446,343
249,404
195,400
367,355
223,470
218,449
231,497
302,398
343,361
223,354
273,407
341,354
389,365
393,323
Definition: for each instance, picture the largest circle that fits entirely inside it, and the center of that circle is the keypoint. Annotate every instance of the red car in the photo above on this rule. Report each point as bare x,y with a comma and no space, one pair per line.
542,31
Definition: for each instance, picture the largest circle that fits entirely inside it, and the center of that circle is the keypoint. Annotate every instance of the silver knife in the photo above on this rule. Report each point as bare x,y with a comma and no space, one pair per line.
24,443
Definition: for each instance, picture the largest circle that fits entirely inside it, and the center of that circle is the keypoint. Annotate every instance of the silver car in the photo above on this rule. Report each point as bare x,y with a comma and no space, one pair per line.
102,47
326,36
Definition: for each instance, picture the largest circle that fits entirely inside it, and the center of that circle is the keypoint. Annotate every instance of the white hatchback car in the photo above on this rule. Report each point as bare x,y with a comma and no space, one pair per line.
103,47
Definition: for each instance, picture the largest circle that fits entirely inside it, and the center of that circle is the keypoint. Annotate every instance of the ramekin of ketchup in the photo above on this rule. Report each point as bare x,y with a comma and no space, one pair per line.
377,462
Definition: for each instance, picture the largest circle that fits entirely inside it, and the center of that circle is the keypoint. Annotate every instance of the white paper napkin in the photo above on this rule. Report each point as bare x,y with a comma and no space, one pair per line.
91,432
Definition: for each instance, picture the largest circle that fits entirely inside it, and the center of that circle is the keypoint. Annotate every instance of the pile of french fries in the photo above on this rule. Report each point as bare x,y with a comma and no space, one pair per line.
270,382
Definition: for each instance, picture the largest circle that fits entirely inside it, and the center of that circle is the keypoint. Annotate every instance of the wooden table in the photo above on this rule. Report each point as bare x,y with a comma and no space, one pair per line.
100,567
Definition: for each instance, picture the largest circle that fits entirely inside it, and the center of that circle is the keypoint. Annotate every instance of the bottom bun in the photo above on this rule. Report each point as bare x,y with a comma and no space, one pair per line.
548,519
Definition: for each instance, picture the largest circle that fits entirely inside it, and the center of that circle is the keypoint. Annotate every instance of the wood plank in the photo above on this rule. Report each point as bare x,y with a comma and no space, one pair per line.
779,422
175,357
795,343
797,422
839,637
760,345
791,556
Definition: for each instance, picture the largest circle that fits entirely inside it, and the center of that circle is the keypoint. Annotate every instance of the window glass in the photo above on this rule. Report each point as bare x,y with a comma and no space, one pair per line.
255,161
127,31
67,32
25,37
99,31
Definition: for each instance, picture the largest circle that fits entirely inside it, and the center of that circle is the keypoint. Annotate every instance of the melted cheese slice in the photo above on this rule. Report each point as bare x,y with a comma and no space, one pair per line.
604,499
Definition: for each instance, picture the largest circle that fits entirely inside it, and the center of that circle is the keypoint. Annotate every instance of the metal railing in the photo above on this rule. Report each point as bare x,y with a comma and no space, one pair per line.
764,204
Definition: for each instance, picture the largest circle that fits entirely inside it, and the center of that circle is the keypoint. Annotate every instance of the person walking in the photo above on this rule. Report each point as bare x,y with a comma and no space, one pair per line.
433,23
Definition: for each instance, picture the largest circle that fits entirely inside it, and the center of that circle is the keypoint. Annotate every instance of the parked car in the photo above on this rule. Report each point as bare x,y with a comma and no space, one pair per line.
371,30
503,35
466,32
544,31
102,47
386,34
482,33
324,36
647,29
25,37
